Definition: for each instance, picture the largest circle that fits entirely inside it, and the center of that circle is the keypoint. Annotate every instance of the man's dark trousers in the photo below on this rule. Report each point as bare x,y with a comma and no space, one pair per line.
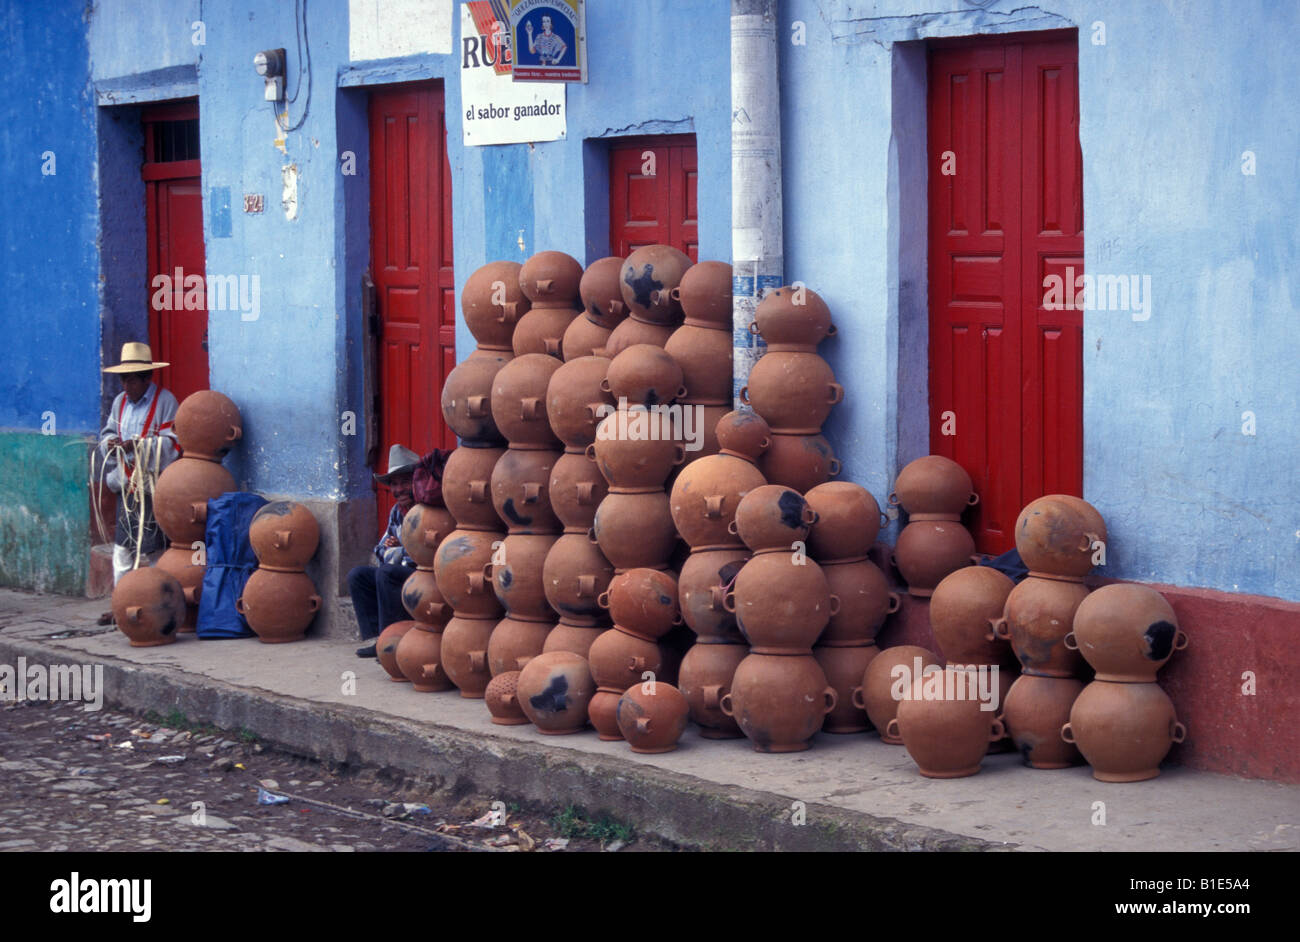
377,597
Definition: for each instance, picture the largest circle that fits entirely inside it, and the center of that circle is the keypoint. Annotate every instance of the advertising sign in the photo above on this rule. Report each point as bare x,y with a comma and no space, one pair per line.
549,39
496,110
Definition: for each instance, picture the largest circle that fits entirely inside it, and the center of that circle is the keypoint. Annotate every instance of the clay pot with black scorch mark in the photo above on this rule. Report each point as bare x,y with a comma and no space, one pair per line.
464,653
799,462
521,490
773,518
649,275
502,700
492,304
1123,730
148,606
582,338
386,649
704,356
793,392
459,567
516,574
284,535
550,280
180,499
779,702
208,425
876,695
467,398
178,562
643,602
422,600
865,602
705,496
635,530
929,550
1126,632
848,521
644,375
652,717
634,330
844,667
419,658
933,488
423,529
947,737
1034,711
467,487
514,642
279,606
704,678
1038,615
601,292
962,609
705,296
619,659
576,489
555,690
702,588
575,399
781,605
574,575
519,401
1059,535
793,319
575,638
628,458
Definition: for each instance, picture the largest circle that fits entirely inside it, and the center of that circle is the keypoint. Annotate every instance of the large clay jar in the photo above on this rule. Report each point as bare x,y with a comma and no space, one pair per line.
961,610
793,392
702,588
502,700
519,400
1123,730
649,276
1036,619
619,659
652,717
207,425
180,499
517,577
947,737
934,485
1057,534
779,702
848,521
704,356
419,658
704,678
705,296
284,535
633,331
602,296
635,530
178,561
1126,632
386,649
574,575
576,489
514,642
464,653
628,457
603,714
643,602
422,600
865,602
928,550
781,604
423,528
574,400
800,462
148,607
887,677
278,605
575,638
459,568
467,397
554,690
1034,711
582,338
492,303
705,496
467,487
773,518
644,375
793,319
844,668
521,490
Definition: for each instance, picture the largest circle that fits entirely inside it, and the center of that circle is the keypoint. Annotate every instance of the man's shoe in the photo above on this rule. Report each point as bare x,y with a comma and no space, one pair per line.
106,618
367,651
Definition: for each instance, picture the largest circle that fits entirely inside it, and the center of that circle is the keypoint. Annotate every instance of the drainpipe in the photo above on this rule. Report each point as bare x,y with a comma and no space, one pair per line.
757,250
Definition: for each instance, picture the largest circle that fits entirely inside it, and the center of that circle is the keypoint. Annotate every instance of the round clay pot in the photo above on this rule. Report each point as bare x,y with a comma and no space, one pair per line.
574,575
467,397
582,338
603,714
178,562
521,490
704,356
551,279
467,487
844,668
962,607
947,737
148,606
1037,617
619,659
928,550
516,573
423,528
386,649
865,602
648,278
800,462
1126,632
515,642
422,601
459,569
744,435
577,487
702,587
848,521
541,332
284,535
701,434
704,677
793,392
634,330
635,530
1034,711
555,690
574,399
794,319
207,425
1123,730
575,638
644,375
881,682
519,400
503,701
464,653
278,605
602,296
643,601
1055,535
773,517
652,717
705,296
628,457
419,658
705,497
180,498
781,604
934,485
779,702
492,303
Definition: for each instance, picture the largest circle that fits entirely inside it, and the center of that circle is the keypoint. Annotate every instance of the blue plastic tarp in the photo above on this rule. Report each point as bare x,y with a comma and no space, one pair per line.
230,562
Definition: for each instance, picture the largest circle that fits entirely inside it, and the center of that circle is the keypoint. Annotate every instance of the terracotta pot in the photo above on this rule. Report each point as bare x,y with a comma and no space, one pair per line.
961,609
705,497
574,575
781,605
1123,730
207,425
519,400
555,690
551,279
1126,632
521,493
603,714
516,574
1037,617
541,332
422,600
628,457
514,643
635,530
386,648
773,517
602,297
1056,535
492,303
619,659
848,521
424,527
645,375
704,677
649,276
934,485
582,338
503,700
888,675
794,319
576,489
178,562
419,658
946,737
779,702
284,535
844,668
633,331
575,638
279,606
148,606
180,500
643,601
865,602
467,398
574,399
464,653
702,587
1006,677
652,717
800,462
459,567
1034,711
467,487
744,435
793,392
704,356
928,550
705,296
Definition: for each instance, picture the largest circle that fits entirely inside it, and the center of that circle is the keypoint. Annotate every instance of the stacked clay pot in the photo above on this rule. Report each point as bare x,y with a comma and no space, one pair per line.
279,600
418,655
884,684
793,388
946,723
702,347
1123,722
602,309
646,281
550,281
934,491
848,521
148,607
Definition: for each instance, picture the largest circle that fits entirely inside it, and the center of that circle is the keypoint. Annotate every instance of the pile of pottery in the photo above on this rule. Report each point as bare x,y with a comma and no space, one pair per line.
702,348
603,309
646,281
279,600
934,491
417,655
550,282
793,388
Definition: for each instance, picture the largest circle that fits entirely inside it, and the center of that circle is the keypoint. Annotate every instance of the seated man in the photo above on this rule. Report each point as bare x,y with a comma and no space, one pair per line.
377,590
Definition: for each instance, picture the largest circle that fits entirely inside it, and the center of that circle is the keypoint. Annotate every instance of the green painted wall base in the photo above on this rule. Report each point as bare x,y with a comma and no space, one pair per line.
44,512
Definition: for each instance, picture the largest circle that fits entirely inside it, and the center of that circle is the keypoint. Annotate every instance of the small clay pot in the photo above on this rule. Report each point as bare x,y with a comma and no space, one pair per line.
704,677
574,400
793,392
467,397
603,714
885,682
178,561
467,487
946,737
208,425
521,490
652,717
705,296
422,600
419,658
551,279
582,338
635,530
148,606
386,648
619,659
704,356
865,603
464,653
705,496
574,575
1037,617
1034,711
793,318
602,297
576,489
279,606
773,518
962,607
934,485
1058,535
779,702
1123,730
503,700
744,435
782,602
519,400
799,462
844,668
180,498
635,450
635,330
423,528
575,638
492,303
1126,632
848,521
643,602
554,691
459,569
644,375
649,275
517,578
514,642
928,550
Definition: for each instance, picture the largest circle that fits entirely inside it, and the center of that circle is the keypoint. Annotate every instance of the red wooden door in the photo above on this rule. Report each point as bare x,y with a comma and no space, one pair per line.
411,265
652,194
174,231
1005,211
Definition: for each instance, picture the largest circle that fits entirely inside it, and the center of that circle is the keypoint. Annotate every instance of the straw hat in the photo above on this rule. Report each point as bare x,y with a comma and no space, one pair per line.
136,358
400,458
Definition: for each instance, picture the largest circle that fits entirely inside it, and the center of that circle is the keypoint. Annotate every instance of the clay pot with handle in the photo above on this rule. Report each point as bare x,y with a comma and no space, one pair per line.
1123,730
422,600
575,401
643,602
635,330
705,496
574,575
619,659
1127,632
961,609
800,462
793,392
704,677
521,491
705,296
1059,535
781,604
467,397
178,561
865,602
550,280
284,535
644,375
575,638
648,277
635,530
702,588
1036,619
929,550
514,642
743,435
386,649
555,690
582,338
423,528
519,400
180,499
946,737
459,570
419,658
631,462
279,606
773,518
885,682
848,521
705,357
208,425
779,702
148,606
933,488
602,296
464,653
844,667
467,487
577,487
516,571
1034,711
652,716
492,303
793,319
502,700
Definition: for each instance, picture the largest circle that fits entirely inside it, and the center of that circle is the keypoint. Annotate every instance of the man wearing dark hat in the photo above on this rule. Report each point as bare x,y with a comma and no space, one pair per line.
377,590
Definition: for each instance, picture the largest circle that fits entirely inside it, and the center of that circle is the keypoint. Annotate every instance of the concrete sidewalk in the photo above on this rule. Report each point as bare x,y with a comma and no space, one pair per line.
856,792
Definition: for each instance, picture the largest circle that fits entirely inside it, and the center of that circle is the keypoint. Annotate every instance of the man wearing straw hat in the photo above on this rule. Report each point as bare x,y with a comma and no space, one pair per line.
377,590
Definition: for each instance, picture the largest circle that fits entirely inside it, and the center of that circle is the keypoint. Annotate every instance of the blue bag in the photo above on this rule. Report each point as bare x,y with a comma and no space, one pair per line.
230,562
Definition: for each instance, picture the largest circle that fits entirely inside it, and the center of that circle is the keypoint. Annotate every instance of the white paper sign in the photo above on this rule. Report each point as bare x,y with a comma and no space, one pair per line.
386,29
497,110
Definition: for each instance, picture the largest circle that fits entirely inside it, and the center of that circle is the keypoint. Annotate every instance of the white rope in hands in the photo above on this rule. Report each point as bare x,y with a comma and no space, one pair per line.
140,484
